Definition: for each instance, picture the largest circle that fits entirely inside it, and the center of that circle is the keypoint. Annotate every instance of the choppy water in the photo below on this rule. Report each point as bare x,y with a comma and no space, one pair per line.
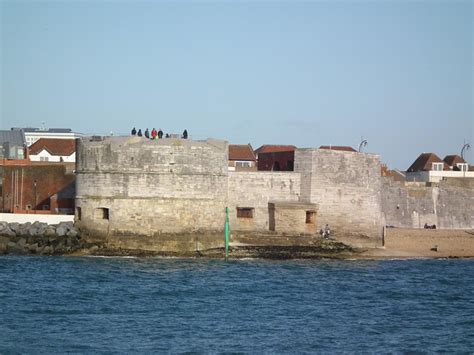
64,304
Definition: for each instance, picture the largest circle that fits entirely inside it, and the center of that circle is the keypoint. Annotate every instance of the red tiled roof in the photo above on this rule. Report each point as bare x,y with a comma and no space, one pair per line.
269,148
63,147
338,147
425,162
241,152
452,160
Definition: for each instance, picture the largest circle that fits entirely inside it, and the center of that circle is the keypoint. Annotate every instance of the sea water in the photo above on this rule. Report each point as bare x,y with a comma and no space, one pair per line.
143,305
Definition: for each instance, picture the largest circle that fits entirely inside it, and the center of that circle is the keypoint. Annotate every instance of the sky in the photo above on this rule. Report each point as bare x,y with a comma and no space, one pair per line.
398,74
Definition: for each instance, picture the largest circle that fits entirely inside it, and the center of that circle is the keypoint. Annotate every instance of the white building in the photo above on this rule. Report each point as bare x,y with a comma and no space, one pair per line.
53,150
33,134
428,167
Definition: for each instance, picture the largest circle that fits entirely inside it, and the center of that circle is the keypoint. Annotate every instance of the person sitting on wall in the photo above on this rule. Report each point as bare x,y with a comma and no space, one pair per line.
327,231
139,133
147,133
426,226
160,134
185,134
167,135
134,131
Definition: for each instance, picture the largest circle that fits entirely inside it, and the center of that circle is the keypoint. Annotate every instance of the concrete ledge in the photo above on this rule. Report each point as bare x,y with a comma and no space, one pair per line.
44,218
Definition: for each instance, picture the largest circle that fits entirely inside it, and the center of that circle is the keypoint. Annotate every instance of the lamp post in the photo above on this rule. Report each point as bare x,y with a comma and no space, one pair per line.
36,197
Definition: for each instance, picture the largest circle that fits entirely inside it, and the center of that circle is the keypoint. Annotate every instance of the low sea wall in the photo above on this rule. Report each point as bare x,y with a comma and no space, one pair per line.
32,217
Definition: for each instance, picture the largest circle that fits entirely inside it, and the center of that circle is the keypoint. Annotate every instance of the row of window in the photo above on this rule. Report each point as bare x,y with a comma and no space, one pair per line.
242,212
440,166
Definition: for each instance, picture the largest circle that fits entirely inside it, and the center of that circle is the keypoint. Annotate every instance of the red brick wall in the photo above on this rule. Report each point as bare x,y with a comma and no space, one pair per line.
54,187
271,161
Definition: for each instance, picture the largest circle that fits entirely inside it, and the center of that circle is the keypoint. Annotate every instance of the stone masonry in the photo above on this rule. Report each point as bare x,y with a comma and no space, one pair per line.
346,186
447,204
132,191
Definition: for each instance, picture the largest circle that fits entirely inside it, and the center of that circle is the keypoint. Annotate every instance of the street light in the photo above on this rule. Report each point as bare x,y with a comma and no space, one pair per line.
34,184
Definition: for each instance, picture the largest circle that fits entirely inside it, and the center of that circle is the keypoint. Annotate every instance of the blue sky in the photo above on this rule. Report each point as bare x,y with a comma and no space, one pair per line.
310,73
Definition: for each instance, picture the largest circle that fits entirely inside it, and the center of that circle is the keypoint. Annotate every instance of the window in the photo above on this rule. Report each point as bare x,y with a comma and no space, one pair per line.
437,166
78,213
44,159
102,213
244,212
310,217
243,164
463,167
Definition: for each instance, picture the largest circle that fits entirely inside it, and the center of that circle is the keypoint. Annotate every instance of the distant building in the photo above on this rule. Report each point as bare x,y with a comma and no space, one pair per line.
53,150
395,174
241,158
428,167
33,134
456,163
31,187
275,157
12,145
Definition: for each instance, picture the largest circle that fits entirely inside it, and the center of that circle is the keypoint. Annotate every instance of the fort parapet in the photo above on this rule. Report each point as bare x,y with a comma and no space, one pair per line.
131,190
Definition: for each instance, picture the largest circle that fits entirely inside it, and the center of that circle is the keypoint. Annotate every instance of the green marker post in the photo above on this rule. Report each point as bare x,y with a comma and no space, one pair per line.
226,233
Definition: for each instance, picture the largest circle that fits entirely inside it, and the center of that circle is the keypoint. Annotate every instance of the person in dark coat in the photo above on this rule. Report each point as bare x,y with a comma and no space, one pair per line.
147,133
185,134
160,134
140,132
134,131
167,135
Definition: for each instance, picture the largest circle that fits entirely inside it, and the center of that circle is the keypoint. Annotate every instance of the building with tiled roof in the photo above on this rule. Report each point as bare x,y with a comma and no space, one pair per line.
241,158
427,162
271,148
53,150
456,163
428,167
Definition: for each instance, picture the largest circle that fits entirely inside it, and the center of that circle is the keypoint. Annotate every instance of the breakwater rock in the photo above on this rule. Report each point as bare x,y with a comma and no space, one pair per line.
40,238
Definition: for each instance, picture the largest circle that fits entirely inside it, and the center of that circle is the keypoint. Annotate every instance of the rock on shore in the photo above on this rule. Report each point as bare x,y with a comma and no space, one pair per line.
39,238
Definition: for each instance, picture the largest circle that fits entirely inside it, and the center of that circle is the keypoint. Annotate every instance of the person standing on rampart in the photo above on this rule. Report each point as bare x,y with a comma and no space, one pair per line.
139,133
147,133
160,134
185,134
134,131
154,133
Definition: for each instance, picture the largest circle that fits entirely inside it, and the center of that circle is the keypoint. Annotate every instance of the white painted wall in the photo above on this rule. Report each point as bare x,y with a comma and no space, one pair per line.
437,176
53,158
45,218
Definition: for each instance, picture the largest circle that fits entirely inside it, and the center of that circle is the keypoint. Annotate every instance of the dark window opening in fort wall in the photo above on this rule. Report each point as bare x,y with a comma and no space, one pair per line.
310,217
78,213
244,212
102,213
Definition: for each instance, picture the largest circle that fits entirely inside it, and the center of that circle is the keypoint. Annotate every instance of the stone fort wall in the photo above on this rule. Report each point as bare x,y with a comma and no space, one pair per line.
130,188
255,190
346,186
447,204
133,186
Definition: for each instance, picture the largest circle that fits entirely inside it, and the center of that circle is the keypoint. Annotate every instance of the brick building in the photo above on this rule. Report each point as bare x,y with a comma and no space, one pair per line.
275,157
29,187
